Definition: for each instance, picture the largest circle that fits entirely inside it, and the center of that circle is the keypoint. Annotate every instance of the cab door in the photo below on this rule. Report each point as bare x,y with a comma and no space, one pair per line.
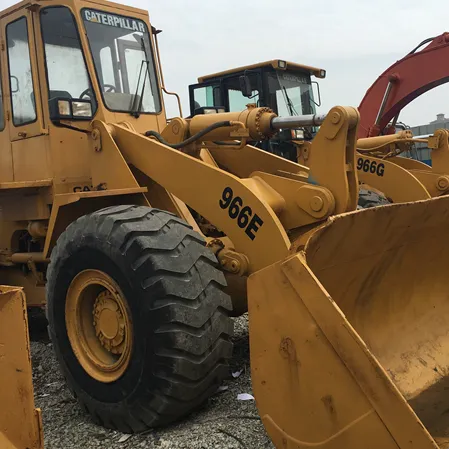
23,105
6,169
24,111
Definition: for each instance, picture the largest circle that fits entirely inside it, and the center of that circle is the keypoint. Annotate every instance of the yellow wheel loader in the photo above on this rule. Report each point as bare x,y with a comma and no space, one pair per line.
401,179
142,237
286,87
283,86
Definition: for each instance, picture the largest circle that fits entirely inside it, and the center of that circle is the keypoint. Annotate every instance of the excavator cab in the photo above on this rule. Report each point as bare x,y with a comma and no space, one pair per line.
284,87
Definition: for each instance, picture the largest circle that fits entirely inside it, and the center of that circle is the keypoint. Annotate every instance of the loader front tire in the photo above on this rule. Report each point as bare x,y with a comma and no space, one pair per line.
137,316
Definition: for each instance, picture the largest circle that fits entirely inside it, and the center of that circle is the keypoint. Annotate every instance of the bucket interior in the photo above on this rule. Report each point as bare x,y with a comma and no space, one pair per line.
387,269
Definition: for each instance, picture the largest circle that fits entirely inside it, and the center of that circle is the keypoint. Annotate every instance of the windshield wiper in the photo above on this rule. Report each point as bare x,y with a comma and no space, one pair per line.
138,99
289,102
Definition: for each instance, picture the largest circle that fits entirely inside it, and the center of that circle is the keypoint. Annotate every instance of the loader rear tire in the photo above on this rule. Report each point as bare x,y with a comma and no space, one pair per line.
153,274
369,198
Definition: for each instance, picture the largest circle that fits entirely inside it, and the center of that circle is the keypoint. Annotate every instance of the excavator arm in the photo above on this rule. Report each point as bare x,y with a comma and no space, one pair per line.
401,83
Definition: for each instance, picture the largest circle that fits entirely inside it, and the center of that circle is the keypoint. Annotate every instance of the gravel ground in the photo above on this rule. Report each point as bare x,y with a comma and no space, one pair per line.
223,422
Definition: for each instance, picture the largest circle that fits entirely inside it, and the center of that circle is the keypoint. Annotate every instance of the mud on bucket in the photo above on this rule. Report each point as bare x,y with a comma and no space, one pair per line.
350,340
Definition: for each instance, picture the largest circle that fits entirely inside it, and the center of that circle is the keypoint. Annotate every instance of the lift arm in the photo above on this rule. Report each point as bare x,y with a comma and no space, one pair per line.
257,211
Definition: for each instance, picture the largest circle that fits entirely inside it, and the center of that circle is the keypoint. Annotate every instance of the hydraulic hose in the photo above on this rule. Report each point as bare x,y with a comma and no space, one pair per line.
191,139
425,41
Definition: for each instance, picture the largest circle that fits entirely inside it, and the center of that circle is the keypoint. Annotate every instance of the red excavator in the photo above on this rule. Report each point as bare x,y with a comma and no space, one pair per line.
403,179
401,83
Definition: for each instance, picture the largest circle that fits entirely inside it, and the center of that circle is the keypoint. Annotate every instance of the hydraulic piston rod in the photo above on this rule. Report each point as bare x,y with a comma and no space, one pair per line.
260,123
297,121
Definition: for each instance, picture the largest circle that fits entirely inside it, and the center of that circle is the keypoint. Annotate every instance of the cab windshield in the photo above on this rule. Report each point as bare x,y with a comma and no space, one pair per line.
291,92
123,61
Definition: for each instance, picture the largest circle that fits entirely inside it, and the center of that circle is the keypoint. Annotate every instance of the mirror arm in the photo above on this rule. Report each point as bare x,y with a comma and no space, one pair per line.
319,94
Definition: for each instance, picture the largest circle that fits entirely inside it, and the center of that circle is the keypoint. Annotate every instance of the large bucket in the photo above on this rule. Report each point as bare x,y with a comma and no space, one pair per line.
20,422
350,339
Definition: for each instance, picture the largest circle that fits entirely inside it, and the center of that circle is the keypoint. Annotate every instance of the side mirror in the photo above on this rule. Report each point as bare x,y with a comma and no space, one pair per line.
245,86
14,84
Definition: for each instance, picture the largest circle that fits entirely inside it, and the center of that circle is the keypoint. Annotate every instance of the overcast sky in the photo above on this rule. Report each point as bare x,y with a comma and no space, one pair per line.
354,40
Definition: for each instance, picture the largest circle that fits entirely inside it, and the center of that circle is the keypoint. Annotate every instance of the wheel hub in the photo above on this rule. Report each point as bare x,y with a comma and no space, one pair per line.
109,322
99,325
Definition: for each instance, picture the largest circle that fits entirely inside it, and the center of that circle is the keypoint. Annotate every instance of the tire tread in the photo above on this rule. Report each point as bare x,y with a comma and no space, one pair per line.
193,327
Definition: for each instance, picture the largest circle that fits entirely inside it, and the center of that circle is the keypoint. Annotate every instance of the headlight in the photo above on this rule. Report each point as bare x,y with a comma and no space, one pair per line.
64,107
297,134
82,108
69,109
282,64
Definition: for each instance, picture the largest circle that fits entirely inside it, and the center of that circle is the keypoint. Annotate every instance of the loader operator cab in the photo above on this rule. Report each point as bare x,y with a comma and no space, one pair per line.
110,71
66,63
282,86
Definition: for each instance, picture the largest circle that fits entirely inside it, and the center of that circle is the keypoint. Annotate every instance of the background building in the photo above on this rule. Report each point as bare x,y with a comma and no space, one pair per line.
422,152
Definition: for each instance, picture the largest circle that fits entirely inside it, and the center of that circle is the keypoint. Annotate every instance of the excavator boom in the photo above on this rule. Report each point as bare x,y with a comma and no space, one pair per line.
413,75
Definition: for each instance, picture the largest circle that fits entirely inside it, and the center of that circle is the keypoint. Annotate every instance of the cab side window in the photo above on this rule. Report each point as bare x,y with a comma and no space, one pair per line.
21,79
237,101
207,96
